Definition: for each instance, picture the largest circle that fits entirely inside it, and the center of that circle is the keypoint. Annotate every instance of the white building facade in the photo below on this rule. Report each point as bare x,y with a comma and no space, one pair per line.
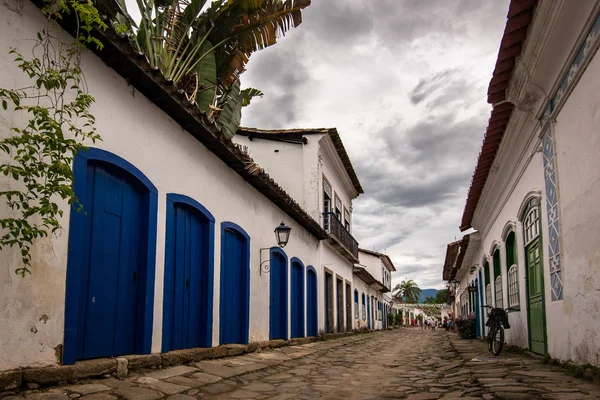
535,191
123,277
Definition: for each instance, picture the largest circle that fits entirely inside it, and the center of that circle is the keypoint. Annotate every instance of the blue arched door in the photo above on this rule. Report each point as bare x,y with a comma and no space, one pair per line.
278,286
312,304
188,285
235,284
368,313
110,273
297,320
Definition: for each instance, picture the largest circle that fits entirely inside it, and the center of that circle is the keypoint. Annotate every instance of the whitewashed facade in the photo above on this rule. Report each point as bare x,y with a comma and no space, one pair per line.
537,246
148,146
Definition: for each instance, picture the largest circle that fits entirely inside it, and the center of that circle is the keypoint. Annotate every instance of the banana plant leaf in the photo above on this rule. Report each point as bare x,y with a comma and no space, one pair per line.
207,78
249,93
231,111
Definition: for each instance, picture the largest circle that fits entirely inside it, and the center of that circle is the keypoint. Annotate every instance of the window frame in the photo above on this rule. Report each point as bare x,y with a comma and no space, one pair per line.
512,285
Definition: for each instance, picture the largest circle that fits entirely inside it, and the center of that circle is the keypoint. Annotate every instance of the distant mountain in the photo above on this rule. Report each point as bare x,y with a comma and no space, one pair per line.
427,293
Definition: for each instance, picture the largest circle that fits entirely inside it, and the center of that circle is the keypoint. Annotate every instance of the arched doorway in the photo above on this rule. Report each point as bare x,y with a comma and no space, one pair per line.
234,313
278,287
312,308
112,252
297,295
188,285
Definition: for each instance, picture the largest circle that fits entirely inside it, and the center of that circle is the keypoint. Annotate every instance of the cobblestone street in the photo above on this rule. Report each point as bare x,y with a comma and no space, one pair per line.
404,363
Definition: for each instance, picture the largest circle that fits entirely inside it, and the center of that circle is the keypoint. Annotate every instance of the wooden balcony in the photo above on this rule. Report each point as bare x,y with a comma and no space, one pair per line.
338,231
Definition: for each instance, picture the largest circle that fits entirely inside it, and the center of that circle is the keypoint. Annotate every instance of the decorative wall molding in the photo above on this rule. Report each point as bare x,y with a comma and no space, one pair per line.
553,212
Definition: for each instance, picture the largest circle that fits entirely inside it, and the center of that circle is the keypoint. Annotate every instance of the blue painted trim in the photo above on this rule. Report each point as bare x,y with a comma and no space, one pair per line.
297,260
183,199
303,292
480,312
208,294
315,307
233,226
279,250
74,256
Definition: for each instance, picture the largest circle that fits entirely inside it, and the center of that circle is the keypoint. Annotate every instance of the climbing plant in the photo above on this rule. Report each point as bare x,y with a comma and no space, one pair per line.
52,122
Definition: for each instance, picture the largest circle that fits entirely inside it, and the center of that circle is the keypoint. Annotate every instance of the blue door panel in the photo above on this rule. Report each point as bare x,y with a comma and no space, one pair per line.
311,303
368,314
109,292
297,322
234,287
186,278
328,279
278,310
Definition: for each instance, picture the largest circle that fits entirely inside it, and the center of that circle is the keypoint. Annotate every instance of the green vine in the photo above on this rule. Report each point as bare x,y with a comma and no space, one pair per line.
52,123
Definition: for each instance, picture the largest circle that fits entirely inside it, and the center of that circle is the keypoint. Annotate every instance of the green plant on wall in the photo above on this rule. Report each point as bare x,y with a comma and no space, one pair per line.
53,122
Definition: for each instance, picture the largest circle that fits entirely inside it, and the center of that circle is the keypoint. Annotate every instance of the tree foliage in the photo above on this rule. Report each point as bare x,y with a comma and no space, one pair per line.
204,47
55,108
441,297
407,291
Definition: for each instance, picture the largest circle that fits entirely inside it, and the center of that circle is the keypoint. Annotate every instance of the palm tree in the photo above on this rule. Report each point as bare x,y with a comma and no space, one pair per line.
203,46
407,291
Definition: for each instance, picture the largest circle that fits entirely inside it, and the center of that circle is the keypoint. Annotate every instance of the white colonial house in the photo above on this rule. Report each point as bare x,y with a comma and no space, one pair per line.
313,166
176,248
534,197
372,281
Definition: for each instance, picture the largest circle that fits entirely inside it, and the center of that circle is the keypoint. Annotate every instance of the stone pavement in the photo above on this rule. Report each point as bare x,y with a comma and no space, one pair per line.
404,363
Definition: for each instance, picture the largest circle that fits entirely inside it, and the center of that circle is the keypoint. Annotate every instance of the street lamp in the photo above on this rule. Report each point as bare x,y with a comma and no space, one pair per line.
282,235
472,288
454,283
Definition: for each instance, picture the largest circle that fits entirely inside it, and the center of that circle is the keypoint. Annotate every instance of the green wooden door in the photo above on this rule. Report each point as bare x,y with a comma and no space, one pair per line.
535,296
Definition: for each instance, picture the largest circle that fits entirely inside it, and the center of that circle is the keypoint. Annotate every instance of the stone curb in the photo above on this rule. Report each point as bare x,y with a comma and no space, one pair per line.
121,366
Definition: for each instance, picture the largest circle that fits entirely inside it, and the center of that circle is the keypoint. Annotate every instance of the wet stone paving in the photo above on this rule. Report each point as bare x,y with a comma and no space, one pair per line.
405,363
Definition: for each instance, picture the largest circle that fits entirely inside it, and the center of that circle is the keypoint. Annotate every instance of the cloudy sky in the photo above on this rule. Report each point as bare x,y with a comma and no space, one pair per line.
404,82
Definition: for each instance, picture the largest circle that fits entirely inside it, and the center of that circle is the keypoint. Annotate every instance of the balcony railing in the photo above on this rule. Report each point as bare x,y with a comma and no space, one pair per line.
335,228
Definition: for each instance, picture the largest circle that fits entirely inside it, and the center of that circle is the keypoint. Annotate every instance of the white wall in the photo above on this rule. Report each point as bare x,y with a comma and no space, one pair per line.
281,160
577,150
31,324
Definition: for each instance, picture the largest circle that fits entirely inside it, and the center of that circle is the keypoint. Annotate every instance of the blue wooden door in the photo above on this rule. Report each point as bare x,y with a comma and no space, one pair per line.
368,314
297,322
278,311
235,296
311,303
184,313
111,276
328,301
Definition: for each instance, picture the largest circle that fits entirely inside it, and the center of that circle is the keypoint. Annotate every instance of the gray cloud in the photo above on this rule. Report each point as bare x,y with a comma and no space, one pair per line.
404,82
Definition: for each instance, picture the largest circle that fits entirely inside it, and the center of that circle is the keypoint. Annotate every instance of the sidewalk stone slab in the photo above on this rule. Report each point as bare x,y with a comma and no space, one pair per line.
138,393
88,388
165,387
171,372
99,396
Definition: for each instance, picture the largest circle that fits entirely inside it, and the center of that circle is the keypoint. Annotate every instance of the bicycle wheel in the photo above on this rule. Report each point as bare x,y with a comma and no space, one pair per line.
489,338
498,341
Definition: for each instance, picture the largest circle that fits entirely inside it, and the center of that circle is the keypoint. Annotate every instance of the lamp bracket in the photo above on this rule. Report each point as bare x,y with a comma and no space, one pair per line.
265,265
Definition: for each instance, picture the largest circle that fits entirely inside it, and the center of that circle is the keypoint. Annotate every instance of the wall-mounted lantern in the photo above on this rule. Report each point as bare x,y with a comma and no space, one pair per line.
454,284
282,235
472,287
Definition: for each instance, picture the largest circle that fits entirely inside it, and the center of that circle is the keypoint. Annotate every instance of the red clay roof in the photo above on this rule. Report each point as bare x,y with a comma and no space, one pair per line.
450,261
520,15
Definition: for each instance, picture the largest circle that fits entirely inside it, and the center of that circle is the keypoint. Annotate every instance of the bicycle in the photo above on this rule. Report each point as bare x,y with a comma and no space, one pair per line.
497,322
